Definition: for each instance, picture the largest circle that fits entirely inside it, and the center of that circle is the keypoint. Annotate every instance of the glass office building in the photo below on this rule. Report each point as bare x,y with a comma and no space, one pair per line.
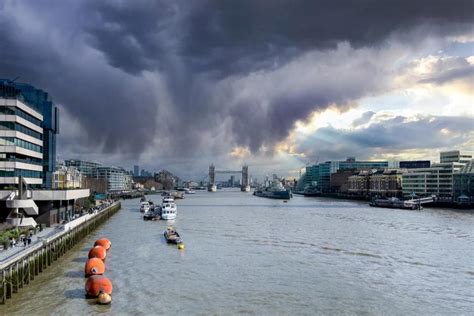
319,176
87,168
28,128
117,179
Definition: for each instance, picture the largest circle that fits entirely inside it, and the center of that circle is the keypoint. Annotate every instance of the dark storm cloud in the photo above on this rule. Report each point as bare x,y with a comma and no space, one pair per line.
114,109
229,36
174,73
245,33
389,136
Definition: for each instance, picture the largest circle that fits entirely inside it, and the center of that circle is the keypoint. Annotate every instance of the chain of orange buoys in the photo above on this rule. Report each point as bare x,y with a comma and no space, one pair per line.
97,285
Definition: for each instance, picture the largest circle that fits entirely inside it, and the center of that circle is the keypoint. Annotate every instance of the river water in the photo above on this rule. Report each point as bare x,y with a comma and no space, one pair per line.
251,255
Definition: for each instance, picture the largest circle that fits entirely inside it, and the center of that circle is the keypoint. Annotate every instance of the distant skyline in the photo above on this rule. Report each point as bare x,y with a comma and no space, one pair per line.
178,85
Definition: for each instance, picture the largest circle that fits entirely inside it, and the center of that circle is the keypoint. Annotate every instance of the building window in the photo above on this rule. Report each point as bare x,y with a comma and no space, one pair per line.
11,141
10,110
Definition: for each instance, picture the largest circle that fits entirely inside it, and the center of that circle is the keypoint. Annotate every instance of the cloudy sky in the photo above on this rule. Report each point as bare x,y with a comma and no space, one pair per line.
271,83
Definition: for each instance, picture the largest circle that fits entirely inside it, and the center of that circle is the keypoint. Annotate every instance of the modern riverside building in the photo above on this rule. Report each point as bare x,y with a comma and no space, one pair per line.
463,184
455,156
117,179
28,127
309,179
29,124
87,168
438,179
413,164
319,176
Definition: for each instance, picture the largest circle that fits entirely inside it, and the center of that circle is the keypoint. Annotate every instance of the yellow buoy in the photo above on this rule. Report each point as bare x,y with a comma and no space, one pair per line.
180,246
104,299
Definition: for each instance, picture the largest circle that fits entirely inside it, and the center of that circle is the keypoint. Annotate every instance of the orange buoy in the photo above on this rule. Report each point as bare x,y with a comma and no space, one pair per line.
94,266
96,284
104,242
98,252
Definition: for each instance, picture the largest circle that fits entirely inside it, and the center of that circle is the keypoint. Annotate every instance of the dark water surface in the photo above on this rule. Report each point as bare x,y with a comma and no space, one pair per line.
251,255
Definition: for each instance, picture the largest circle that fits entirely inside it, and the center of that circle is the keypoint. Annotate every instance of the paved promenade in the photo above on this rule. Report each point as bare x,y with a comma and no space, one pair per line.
37,238
46,233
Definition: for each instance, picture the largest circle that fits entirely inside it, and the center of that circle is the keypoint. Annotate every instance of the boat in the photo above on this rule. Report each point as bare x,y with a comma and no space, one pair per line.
143,199
312,191
144,206
172,236
168,208
178,195
274,191
394,202
212,188
190,191
245,188
152,214
168,199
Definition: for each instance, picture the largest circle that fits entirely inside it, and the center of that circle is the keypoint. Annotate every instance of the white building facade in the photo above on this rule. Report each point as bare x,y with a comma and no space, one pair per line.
438,179
117,178
21,144
67,178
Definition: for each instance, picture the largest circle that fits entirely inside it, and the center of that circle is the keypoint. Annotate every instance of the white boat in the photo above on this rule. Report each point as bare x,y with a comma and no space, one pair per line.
212,188
168,208
190,191
168,199
144,206
168,211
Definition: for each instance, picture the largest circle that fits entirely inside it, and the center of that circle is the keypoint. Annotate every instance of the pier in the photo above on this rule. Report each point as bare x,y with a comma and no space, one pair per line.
20,268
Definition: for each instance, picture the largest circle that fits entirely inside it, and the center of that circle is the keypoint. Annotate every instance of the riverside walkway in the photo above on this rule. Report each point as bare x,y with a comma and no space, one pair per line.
19,248
47,234
20,265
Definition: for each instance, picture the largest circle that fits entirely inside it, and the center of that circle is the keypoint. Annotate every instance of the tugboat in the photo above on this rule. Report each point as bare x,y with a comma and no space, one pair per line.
172,236
144,206
152,214
275,190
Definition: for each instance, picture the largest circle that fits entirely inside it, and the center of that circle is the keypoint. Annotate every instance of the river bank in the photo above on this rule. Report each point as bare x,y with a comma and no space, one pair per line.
20,265
349,197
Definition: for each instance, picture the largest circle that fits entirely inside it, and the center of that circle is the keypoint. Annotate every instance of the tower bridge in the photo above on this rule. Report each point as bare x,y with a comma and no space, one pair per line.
245,186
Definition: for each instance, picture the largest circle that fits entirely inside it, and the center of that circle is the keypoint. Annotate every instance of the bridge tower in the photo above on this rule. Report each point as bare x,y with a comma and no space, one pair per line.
245,179
212,179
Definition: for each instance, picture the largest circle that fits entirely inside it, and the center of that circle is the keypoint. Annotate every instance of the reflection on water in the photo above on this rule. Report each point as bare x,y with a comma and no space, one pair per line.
251,255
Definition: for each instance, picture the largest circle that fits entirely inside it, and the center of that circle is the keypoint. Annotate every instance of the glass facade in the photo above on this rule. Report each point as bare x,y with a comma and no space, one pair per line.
10,110
39,101
87,168
455,156
20,173
117,178
12,126
20,158
415,164
13,141
319,176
